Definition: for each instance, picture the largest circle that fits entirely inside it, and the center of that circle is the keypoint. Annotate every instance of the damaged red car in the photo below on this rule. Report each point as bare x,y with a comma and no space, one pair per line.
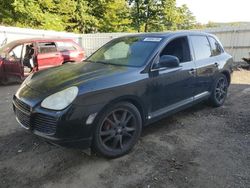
20,57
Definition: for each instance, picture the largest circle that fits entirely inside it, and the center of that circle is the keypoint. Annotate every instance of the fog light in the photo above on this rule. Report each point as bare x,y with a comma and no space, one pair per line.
91,118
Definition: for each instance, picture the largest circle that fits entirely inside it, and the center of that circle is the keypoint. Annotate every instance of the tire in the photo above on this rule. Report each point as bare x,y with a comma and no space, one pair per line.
67,62
117,130
219,91
4,82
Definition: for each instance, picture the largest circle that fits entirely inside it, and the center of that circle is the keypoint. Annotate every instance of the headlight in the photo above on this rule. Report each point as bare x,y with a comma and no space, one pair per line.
60,100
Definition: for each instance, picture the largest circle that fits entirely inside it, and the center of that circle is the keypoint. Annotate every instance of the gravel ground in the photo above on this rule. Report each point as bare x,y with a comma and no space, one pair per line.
199,147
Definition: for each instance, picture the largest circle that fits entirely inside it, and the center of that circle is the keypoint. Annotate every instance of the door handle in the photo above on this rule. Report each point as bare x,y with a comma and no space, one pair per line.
192,71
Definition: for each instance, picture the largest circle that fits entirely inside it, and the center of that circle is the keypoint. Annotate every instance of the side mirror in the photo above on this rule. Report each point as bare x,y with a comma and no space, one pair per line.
168,61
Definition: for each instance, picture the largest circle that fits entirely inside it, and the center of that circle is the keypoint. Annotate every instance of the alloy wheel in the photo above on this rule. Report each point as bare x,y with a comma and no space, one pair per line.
221,90
117,129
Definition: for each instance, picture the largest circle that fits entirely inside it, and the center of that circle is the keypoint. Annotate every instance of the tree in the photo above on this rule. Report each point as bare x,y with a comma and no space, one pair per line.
90,16
83,20
187,20
44,14
145,13
160,15
116,17
7,13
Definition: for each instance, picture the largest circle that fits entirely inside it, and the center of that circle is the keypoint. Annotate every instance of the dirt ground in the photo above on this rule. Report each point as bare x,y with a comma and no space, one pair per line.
199,147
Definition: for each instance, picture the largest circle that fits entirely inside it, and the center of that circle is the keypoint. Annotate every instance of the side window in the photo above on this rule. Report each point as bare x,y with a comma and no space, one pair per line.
178,47
46,47
65,46
201,47
15,53
215,46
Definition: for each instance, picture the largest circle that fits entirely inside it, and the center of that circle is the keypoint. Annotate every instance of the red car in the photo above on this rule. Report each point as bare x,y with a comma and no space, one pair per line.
20,57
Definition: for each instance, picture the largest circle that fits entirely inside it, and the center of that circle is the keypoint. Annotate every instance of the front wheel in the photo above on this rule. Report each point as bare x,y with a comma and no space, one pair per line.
117,131
219,91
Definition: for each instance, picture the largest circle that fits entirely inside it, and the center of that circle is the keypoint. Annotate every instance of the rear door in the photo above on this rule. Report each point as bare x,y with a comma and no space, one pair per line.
68,51
217,50
12,64
48,56
206,64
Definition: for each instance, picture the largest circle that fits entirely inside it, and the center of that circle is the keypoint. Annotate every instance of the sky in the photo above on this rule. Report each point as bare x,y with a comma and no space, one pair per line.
218,10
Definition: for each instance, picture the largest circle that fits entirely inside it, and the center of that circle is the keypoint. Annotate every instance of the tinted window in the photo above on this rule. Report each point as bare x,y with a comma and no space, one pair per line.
65,46
215,46
126,51
178,47
46,47
201,47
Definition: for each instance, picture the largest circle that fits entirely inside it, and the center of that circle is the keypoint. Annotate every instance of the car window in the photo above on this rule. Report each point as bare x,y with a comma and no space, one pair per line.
16,53
178,47
46,47
215,46
201,47
119,50
65,46
126,51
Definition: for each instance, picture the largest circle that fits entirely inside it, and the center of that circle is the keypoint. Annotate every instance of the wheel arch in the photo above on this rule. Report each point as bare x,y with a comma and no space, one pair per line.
130,99
227,74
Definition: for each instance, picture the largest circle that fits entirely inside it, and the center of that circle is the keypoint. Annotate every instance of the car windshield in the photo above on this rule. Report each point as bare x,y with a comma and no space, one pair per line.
6,47
126,51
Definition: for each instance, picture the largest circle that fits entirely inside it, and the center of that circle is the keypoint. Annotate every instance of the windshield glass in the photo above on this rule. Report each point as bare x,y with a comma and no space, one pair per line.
126,51
6,47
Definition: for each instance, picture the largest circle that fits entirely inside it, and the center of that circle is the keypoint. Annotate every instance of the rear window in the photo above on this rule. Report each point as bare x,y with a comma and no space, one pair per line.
46,47
215,46
201,47
65,46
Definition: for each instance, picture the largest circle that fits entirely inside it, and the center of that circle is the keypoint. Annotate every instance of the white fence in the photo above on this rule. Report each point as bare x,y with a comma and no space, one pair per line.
236,41
8,34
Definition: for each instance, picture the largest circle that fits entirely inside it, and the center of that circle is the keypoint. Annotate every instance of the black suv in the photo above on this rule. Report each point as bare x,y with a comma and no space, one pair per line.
130,82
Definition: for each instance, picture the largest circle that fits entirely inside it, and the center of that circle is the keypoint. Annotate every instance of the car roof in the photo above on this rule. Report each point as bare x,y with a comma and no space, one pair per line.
169,34
41,40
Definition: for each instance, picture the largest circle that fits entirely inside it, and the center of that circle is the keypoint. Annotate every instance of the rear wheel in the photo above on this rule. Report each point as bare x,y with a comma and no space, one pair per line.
219,92
117,131
66,62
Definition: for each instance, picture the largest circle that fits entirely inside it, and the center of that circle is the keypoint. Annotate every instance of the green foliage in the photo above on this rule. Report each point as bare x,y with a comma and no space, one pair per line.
90,16
116,17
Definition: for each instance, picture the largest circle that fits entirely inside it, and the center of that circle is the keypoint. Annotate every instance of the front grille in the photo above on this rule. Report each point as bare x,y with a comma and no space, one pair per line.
36,121
44,123
21,105
23,118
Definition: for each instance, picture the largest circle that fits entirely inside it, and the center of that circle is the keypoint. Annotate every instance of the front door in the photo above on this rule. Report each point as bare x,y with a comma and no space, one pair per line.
12,65
173,87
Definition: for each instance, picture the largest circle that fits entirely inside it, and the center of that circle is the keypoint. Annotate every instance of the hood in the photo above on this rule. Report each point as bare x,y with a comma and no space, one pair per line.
61,77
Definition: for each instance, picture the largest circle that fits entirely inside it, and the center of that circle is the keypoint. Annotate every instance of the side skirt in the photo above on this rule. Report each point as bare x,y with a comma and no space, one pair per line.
169,110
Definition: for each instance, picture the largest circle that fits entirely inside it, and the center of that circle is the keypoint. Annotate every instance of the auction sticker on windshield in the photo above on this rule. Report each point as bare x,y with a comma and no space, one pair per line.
151,39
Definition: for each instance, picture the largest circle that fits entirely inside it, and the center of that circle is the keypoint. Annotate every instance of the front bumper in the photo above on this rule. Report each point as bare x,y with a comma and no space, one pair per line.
66,128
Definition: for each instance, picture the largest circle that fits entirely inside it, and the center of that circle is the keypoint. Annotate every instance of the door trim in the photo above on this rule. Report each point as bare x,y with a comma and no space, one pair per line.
178,105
